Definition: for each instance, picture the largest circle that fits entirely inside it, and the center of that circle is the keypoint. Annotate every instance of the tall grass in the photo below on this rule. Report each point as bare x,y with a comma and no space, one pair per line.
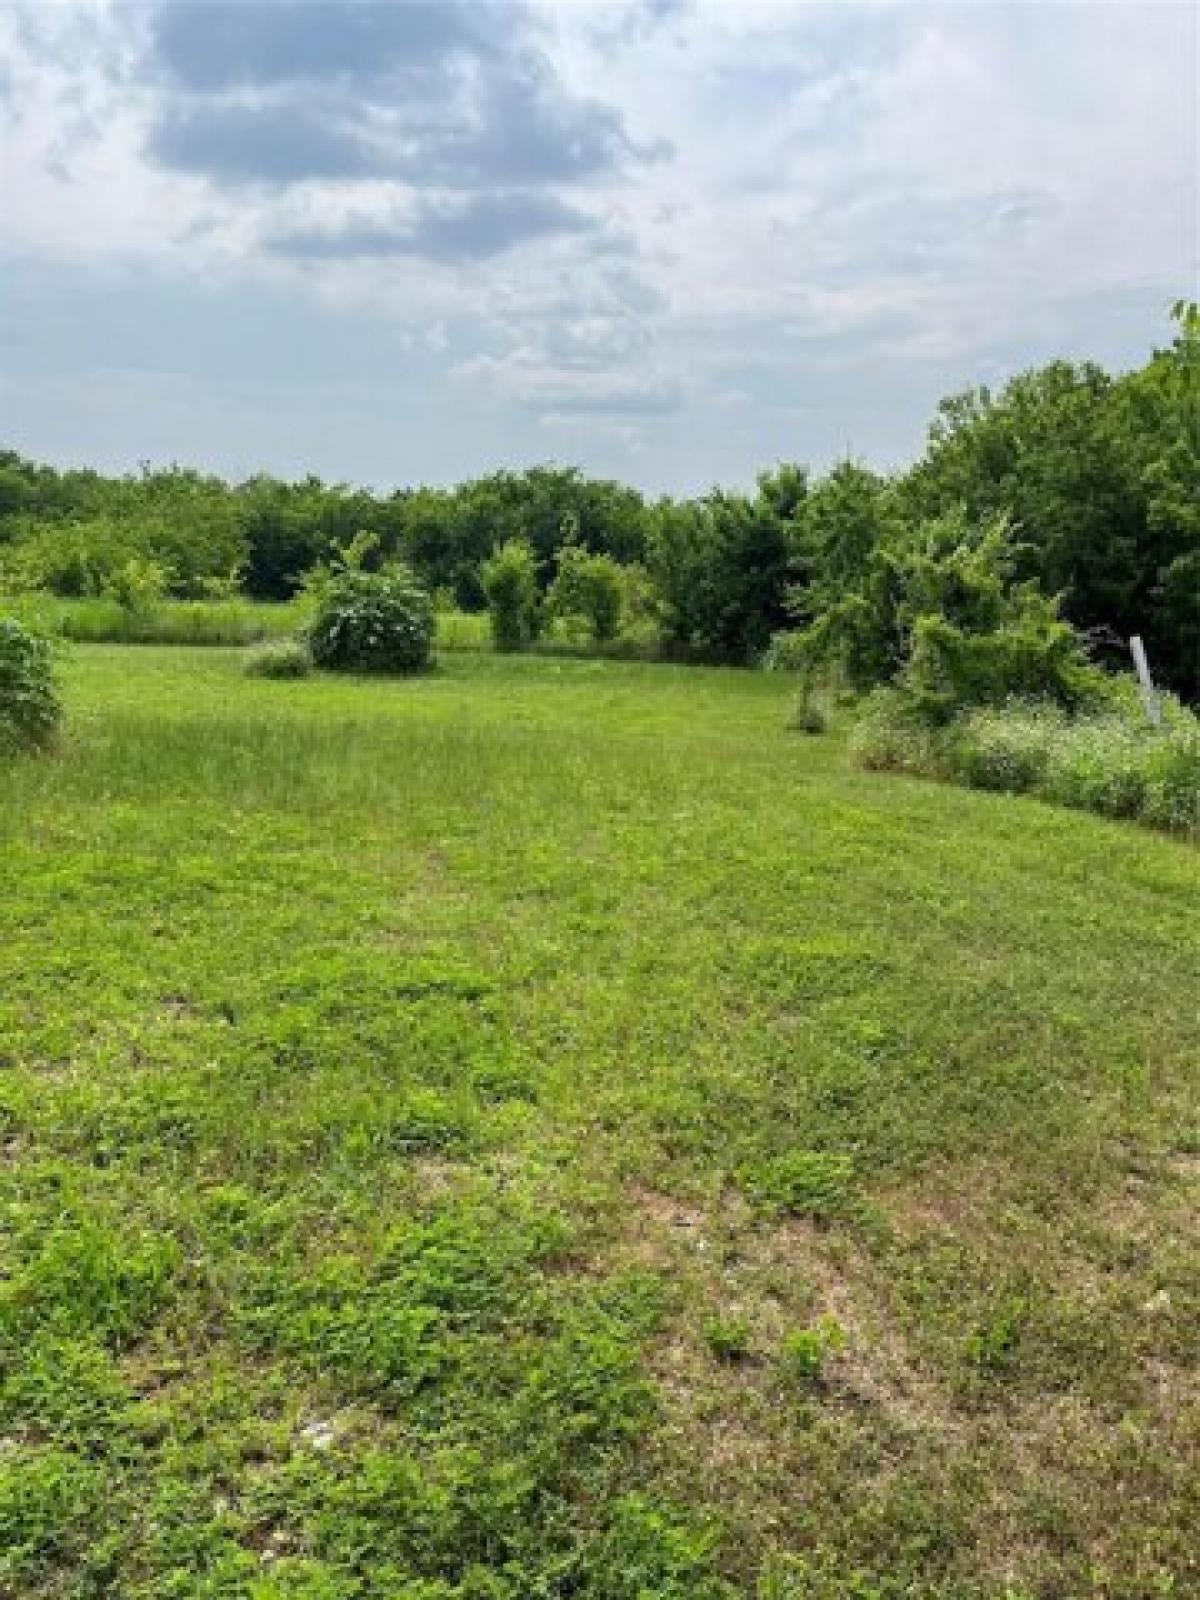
1114,762
96,620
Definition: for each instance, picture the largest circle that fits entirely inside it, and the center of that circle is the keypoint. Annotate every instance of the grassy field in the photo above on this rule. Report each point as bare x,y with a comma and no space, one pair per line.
546,1130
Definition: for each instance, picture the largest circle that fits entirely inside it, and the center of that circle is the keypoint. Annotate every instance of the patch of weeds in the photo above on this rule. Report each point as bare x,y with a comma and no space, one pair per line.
648,1549
804,1352
389,1327
991,1348
804,1183
49,1500
365,1334
500,1080
289,659
470,1259
584,1387
727,1338
69,1390
88,1280
421,1119
824,1576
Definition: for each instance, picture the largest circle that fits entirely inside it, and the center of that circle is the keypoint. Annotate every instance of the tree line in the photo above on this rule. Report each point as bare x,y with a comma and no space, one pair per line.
1090,480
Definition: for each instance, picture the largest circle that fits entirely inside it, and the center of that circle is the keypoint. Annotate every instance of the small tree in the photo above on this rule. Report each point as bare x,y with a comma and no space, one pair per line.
138,584
30,710
937,613
510,584
588,586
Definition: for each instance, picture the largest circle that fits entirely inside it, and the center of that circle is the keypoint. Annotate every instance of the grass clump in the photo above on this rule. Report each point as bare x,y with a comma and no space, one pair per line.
288,660
105,619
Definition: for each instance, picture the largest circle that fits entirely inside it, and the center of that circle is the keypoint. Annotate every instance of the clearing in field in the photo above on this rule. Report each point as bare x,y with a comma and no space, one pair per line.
543,1129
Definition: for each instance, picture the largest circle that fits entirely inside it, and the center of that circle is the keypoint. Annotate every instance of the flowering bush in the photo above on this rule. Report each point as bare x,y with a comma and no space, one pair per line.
372,622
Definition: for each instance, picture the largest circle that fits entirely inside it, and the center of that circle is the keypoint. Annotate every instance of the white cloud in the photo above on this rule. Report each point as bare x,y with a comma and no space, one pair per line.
649,216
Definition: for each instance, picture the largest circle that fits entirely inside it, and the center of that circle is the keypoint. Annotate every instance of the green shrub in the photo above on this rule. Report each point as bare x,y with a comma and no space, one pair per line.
510,583
288,660
138,584
1031,654
371,621
589,587
30,710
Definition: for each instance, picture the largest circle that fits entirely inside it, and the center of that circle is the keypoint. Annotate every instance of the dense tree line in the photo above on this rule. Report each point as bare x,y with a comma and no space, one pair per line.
1095,478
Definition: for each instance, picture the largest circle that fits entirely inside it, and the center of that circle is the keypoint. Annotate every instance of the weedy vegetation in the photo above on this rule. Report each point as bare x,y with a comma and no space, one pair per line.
539,1128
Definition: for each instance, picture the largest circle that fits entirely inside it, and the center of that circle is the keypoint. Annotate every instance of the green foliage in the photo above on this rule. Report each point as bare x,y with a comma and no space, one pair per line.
1102,479
803,1352
727,1337
49,1501
721,565
186,622
87,1279
939,615
509,578
1031,654
137,585
371,621
1098,477
291,659
806,1183
588,587
649,1550
30,709
1111,760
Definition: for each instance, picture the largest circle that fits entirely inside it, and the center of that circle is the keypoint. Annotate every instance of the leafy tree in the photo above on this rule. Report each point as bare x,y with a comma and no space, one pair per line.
721,566
1101,479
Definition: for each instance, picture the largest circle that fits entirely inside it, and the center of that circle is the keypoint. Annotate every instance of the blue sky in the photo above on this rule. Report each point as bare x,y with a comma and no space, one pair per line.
672,241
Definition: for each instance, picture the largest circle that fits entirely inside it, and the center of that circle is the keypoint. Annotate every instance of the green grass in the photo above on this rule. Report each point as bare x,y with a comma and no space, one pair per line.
544,1129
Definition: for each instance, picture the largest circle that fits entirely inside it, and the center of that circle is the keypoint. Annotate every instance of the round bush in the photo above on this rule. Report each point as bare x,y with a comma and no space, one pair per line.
372,622
30,710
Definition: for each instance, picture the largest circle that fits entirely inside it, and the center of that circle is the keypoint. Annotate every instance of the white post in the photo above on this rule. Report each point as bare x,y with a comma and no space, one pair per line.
1149,697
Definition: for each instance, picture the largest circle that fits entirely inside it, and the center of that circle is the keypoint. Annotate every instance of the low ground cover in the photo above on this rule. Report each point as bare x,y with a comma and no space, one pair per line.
542,1128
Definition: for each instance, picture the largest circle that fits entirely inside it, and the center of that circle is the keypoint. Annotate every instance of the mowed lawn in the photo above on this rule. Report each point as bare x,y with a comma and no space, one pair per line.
545,1129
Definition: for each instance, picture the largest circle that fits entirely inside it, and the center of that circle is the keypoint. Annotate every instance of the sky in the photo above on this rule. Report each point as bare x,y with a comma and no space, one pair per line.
668,241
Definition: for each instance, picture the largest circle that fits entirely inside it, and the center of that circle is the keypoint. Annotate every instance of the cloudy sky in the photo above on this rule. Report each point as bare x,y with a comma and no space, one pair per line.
668,240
